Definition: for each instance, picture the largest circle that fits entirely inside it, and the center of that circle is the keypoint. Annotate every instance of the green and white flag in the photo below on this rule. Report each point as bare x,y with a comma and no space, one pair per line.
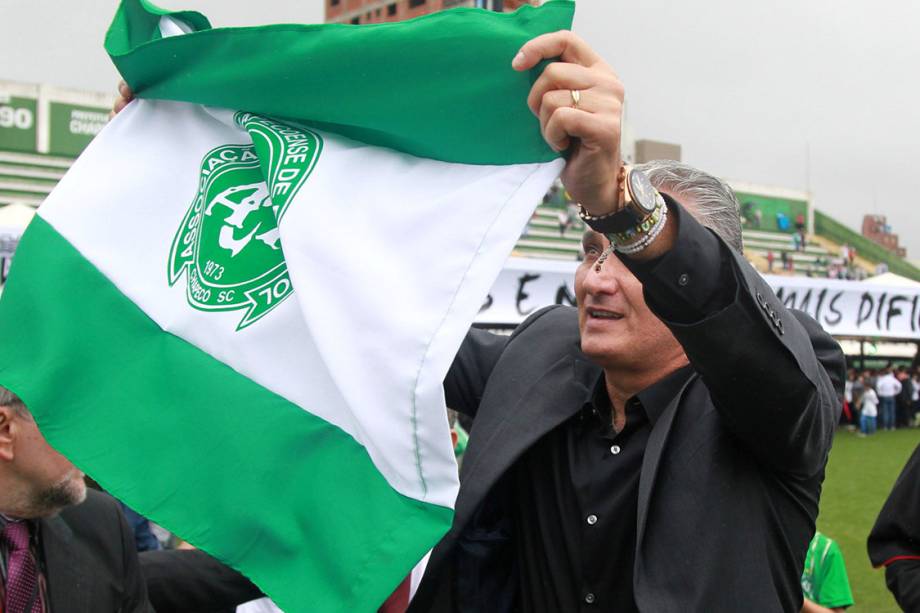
237,308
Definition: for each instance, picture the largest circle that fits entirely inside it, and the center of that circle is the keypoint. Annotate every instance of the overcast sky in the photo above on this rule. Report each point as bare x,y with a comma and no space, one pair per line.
803,94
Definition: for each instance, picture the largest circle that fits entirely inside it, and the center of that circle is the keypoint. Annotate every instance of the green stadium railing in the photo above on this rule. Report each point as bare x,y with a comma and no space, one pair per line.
834,230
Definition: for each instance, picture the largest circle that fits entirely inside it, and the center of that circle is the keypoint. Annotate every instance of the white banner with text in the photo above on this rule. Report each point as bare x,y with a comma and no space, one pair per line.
843,308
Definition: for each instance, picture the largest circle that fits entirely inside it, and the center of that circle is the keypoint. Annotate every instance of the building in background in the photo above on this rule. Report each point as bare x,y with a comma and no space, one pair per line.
876,229
648,150
49,120
42,130
381,11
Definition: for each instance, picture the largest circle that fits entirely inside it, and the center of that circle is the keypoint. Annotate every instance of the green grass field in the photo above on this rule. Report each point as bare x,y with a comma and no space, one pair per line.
860,474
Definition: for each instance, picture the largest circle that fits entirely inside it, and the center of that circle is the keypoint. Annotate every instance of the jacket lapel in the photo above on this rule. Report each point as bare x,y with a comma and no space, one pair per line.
506,432
68,585
650,461
501,433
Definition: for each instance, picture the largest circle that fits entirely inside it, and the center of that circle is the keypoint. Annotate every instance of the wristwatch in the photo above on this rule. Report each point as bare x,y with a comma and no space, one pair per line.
638,200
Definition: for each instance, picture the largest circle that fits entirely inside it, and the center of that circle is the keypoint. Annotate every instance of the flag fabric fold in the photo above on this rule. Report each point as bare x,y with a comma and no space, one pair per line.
238,322
438,86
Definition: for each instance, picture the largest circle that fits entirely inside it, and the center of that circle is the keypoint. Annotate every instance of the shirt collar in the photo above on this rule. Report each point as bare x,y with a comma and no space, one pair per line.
600,402
653,399
6,519
657,396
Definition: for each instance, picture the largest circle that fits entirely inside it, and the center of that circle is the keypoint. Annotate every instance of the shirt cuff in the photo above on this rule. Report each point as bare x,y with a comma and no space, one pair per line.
691,281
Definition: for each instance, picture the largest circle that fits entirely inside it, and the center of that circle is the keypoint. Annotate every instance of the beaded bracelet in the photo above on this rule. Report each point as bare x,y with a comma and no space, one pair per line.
646,240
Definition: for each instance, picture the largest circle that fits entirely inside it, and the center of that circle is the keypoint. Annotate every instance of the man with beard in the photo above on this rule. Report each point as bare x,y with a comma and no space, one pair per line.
62,548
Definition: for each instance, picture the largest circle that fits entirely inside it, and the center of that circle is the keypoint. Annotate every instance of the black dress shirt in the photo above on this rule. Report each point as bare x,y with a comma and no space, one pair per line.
575,495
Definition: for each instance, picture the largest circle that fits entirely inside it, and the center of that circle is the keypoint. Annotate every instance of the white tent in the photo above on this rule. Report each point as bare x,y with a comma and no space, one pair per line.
15,217
13,221
889,278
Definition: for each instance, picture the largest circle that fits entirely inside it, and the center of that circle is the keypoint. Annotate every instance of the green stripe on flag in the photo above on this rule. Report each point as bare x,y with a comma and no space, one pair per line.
290,500
138,22
440,86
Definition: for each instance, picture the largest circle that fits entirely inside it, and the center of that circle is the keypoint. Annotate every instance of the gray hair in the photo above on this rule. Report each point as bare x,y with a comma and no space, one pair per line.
9,399
709,199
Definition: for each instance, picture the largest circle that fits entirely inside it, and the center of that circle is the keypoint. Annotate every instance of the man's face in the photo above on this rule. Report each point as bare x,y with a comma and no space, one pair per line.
47,481
618,330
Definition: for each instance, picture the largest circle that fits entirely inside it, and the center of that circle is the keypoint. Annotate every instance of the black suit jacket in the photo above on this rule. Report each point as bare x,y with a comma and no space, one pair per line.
191,581
895,539
732,472
90,559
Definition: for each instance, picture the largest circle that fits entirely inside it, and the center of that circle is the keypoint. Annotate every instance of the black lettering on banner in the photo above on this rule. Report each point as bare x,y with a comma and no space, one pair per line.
521,294
832,306
806,302
893,311
866,304
878,312
821,296
787,300
913,314
564,296
486,304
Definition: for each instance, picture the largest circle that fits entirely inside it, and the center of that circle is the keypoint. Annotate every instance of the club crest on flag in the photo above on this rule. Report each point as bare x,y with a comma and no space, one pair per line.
228,241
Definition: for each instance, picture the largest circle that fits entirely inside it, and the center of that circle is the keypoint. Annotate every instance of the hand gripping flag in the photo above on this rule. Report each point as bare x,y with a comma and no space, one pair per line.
237,308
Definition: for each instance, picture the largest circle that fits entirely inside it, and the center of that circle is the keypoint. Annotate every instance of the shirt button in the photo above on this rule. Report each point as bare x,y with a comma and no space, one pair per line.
592,519
589,598
615,449
683,280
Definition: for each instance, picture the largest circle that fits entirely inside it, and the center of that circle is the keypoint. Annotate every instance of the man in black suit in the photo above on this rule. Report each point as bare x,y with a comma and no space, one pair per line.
662,447
895,539
62,548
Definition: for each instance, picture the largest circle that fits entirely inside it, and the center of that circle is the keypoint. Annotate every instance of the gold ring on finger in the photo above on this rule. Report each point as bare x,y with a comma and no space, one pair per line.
576,97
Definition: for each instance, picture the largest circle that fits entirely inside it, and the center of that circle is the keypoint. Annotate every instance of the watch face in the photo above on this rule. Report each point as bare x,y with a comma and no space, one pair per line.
642,192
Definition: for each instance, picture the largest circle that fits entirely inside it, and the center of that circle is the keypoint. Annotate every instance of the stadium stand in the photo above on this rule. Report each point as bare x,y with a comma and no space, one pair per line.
814,258
27,178
542,239
832,230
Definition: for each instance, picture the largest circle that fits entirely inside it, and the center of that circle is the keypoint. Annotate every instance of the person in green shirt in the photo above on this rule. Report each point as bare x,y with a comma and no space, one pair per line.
824,580
462,441
458,436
